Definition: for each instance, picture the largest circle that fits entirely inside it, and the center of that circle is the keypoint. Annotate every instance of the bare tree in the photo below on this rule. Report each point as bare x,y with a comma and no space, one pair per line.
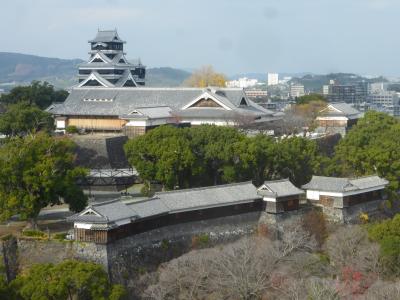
349,246
383,291
246,269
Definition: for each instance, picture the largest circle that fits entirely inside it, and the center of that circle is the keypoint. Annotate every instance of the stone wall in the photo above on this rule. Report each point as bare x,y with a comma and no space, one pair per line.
131,256
351,214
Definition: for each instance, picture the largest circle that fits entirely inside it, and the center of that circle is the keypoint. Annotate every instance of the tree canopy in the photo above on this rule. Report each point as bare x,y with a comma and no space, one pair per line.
206,76
36,171
41,94
68,280
371,147
310,98
23,118
209,155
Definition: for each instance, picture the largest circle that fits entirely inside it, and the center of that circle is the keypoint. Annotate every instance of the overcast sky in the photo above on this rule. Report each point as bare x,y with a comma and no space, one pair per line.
234,36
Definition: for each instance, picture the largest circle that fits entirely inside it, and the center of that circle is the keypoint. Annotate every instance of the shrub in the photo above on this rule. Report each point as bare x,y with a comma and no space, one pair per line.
71,129
34,233
60,236
199,241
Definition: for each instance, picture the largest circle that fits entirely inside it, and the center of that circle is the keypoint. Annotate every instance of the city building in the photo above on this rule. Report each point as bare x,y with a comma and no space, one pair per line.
296,90
108,66
377,87
337,118
242,83
350,93
344,199
273,79
383,98
256,93
325,90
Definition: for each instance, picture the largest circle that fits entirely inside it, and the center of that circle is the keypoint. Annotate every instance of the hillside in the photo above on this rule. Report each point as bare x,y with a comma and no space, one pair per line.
17,69
165,76
314,83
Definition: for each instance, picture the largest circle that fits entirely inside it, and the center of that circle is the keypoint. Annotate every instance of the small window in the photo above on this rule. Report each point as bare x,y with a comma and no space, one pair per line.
243,102
98,60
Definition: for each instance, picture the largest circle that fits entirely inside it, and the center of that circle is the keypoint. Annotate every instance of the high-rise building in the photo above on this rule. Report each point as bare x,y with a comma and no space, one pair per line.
273,78
296,90
108,66
349,93
383,98
378,86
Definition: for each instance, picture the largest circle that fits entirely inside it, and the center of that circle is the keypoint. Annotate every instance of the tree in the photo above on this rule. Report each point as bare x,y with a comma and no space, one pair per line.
247,269
298,159
213,148
164,155
204,77
37,171
371,147
387,234
23,118
41,94
68,280
306,99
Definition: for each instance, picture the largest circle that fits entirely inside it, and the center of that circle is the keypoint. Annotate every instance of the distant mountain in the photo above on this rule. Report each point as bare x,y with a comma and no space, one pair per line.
165,76
314,83
20,69
23,68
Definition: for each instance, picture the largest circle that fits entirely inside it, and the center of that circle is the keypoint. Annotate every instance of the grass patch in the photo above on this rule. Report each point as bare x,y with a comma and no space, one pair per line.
34,234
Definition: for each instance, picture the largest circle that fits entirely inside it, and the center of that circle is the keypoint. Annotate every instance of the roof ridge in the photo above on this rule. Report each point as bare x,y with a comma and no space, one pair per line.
277,180
364,176
95,204
203,188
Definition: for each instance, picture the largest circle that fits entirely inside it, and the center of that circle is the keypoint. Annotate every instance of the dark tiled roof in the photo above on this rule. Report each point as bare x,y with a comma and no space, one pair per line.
220,195
170,202
106,36
279,188
335,184
121,101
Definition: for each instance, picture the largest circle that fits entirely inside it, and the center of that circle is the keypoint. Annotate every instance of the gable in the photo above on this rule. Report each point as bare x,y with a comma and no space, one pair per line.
129,83
206,102
97,59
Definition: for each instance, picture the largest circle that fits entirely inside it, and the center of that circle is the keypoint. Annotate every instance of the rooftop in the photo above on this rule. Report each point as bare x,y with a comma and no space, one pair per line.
279,188
168,202
121,101
337,184
106,36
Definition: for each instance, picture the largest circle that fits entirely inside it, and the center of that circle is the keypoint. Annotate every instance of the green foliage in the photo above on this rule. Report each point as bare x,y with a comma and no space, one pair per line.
371,147
40,94
68,280
60,236
36,171
71,129
208,155
310,98
23,118
387,234
34,233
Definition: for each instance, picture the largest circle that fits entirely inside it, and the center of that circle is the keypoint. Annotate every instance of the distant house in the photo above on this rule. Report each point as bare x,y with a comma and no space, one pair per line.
343,199
280,196
337,118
